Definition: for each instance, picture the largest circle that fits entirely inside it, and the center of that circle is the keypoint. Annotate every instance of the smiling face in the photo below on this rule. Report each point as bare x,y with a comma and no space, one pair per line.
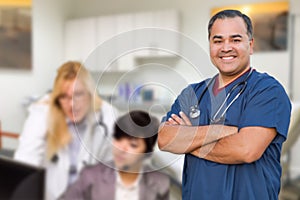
128,153
230,47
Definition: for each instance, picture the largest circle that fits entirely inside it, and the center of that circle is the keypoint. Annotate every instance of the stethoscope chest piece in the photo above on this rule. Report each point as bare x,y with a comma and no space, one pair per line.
194,112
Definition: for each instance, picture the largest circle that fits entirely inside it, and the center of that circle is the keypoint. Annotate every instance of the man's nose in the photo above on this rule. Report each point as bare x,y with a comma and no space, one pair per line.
227,46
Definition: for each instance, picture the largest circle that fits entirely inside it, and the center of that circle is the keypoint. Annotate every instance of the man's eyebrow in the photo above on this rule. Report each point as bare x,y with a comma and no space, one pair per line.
217,37
236,35
232,36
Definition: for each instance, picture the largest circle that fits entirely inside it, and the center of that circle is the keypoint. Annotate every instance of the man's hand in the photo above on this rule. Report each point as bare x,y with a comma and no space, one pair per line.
182,119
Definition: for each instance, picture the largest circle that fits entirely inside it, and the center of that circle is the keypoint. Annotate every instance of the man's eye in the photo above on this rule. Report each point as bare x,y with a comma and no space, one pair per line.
217,41
236,40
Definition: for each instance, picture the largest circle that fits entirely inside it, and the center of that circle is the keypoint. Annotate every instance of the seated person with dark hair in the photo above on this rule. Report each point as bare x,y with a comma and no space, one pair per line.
127,177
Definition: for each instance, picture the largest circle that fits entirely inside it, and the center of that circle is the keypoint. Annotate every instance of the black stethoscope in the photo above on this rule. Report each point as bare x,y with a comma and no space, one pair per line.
195,111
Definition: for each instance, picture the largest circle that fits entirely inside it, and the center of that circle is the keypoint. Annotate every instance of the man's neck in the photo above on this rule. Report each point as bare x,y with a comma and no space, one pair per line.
224,80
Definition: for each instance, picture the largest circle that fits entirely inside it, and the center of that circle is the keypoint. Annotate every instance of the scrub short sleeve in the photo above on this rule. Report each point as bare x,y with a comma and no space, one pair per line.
268,106
184,101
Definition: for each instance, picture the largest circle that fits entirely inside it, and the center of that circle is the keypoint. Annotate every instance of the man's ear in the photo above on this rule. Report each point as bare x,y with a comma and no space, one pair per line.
251,43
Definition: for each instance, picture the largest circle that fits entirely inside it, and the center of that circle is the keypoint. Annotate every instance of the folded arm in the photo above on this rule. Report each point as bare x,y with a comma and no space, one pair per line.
245,147
178,136
216,143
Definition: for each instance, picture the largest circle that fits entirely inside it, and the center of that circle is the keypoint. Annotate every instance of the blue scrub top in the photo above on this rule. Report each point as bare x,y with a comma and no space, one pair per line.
265,103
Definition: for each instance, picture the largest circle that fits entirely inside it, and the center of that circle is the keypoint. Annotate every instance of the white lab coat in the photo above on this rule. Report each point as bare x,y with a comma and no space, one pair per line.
95,146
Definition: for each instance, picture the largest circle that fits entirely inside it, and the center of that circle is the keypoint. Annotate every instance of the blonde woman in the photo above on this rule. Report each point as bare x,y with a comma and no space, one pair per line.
68,129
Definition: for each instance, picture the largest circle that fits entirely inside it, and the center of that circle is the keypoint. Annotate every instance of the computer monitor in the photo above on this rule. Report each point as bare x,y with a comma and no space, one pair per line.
20,181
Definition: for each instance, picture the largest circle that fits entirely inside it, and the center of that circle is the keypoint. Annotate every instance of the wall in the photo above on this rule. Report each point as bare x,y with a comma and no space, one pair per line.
294,155
195,16
295,10
48,21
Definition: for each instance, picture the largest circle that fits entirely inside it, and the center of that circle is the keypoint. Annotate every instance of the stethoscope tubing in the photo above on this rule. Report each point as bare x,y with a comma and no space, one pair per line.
195,108
55,157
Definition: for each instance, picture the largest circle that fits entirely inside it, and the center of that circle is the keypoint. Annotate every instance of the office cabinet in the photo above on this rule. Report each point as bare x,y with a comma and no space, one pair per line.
80,38
114,42
157,42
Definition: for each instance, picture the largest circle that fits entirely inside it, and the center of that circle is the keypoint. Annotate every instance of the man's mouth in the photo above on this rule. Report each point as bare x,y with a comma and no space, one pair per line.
227,57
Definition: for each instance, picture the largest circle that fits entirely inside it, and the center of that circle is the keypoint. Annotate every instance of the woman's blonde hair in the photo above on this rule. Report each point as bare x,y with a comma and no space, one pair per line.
58,134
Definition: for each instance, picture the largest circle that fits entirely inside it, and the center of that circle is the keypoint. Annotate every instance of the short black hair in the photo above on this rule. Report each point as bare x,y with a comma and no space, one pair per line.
138,124
231,14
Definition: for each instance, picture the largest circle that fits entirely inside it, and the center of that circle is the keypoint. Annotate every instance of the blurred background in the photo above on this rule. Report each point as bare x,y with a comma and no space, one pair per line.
37,36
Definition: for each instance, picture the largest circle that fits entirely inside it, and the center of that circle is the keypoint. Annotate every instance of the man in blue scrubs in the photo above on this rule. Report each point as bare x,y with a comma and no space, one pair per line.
230,127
